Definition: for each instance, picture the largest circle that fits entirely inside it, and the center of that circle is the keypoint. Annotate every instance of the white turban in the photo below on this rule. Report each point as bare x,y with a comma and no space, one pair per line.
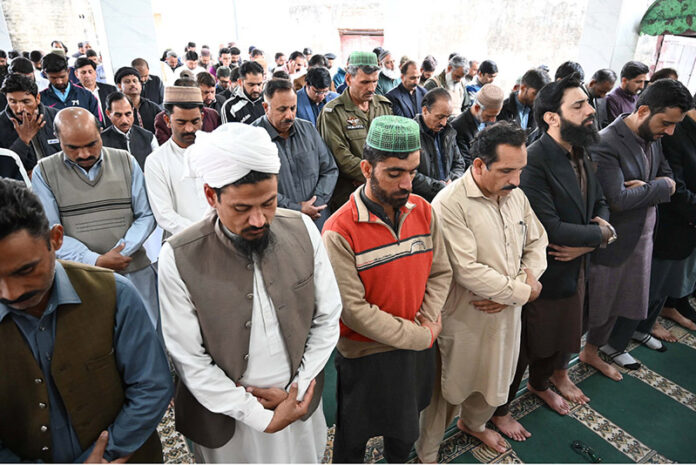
231,152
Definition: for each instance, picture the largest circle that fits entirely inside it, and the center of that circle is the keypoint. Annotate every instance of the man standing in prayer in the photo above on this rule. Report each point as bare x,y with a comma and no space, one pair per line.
123,134
518,106
486,106
566,196
635,178
85,378
144,111
634,77
388,74
497,248
407,97
440,160
391,318
308,172
344,122
451,79
255,367
177,200
87,186
246,104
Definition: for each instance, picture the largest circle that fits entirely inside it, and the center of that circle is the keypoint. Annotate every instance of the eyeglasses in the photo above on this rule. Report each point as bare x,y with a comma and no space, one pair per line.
586,451
320,92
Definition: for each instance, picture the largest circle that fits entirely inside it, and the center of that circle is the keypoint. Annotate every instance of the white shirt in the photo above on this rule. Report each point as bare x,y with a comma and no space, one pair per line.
268,364
176,201
41,82
195,71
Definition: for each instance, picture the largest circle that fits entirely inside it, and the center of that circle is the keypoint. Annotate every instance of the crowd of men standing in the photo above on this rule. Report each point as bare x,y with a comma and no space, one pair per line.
246,221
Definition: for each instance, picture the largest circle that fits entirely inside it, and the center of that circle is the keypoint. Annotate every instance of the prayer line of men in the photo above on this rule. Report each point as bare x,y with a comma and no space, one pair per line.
474,258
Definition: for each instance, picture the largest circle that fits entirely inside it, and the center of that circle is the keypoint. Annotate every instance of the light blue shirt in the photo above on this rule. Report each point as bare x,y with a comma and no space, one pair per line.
140,360
137,234
523,111
63,96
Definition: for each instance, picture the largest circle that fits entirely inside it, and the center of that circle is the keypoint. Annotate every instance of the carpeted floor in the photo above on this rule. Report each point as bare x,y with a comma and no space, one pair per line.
648,417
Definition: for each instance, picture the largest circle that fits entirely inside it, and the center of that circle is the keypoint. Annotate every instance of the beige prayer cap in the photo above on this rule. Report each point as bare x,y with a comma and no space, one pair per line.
180,94
490,96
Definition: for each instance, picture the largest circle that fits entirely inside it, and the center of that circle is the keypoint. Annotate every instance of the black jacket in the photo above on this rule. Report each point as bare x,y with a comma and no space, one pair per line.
402,103
466,126
241,109
509,113
46,137
146,113
217,103
104,91
550,184
676,233
140,145
427,183
153,90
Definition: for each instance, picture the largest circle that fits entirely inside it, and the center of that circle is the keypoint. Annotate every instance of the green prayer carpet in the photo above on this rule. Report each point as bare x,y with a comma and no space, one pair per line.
648,417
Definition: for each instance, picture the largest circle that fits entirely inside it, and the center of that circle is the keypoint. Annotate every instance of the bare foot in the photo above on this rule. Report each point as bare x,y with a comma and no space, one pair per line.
511,427
552,399
674,315
591,357
489,437
567,388
663,333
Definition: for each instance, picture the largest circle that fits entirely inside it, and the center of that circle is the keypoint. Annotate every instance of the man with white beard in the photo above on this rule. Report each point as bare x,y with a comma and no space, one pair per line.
388,75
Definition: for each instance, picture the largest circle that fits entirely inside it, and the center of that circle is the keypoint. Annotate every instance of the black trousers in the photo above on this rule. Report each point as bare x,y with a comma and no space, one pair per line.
625,327
395,450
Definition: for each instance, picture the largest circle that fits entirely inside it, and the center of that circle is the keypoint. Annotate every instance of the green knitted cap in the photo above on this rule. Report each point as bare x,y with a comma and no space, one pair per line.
394,134
362,59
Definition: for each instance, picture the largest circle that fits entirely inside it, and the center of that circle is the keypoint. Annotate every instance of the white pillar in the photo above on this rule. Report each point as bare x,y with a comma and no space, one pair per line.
610,34
126,28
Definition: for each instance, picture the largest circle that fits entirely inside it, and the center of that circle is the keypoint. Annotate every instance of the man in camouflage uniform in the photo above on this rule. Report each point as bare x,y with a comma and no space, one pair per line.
344,122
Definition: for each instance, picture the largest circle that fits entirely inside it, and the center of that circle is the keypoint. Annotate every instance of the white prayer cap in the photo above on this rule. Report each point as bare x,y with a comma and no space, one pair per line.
231,152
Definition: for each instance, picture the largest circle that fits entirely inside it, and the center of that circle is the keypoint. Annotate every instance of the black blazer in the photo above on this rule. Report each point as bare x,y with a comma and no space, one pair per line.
553,191
401,101
676,234
619,158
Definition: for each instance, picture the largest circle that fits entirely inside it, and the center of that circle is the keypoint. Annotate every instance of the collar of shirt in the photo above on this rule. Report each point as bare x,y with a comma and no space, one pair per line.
62,293
625,95
178,151
125,134
272,131
521,107
377,210
448,79
93,170
473,190
63,96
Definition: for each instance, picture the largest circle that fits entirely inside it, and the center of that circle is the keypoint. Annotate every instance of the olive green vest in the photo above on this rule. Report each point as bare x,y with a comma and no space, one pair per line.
97,213
83,368
220,280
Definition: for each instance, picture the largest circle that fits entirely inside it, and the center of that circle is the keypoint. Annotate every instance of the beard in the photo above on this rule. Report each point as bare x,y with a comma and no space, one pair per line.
392,74
249,247
385,198
644,131
579,135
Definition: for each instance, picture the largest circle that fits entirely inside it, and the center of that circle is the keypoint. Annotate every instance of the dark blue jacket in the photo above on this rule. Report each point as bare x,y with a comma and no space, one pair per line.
77,97
402,105
304,105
